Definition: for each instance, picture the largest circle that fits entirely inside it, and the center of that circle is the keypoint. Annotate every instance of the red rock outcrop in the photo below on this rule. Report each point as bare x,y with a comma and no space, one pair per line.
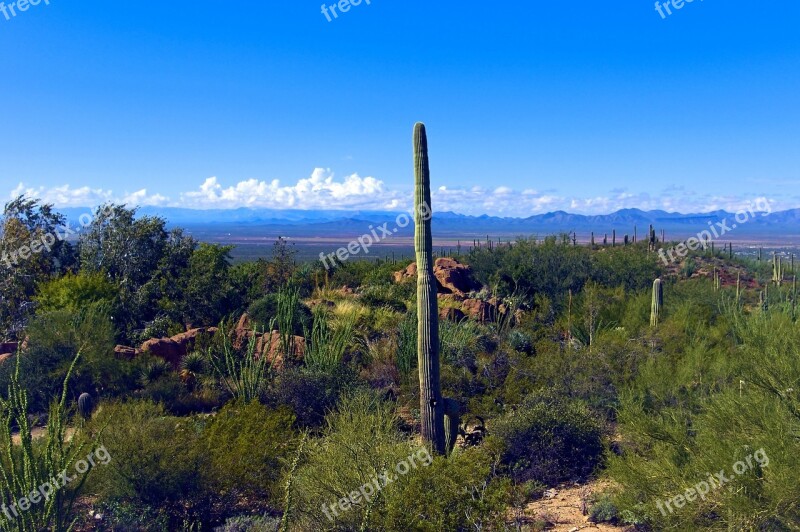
452,277
175,348
452,314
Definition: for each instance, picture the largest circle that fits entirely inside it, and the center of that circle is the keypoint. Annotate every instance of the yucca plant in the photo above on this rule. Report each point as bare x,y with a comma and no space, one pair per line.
26,467
244,375
153,371
326,347
193,367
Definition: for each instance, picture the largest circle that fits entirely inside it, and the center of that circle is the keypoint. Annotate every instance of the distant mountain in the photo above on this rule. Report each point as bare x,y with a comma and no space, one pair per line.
330,223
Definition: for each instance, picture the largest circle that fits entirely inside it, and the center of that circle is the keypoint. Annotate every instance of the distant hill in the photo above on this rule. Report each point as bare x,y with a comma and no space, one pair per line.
783,226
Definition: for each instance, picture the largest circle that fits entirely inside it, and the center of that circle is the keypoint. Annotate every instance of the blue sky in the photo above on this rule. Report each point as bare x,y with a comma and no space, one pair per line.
530,106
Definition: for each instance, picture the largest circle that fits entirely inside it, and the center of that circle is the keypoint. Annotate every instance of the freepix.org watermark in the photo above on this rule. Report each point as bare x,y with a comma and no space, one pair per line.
715,231
45,242
343,6
665,8
364,242
371,489
10,11
99,456
713,482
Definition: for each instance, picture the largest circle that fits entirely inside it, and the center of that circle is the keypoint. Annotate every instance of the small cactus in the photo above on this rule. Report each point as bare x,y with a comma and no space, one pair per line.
85,405
657,303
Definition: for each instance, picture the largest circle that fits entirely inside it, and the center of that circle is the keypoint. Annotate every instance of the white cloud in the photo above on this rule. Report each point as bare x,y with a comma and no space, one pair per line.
322,190
319,191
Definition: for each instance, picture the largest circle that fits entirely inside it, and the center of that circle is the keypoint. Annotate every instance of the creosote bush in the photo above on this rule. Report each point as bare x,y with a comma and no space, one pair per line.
550,440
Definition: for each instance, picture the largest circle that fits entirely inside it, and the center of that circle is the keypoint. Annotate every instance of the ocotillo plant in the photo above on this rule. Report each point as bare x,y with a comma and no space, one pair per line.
738,285
657,303
605,239
433,407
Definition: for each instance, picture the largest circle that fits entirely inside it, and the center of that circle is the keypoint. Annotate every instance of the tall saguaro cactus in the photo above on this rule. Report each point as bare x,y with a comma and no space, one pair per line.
433,407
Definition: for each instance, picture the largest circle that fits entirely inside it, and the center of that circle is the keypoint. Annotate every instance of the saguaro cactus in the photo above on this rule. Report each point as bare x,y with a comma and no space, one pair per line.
777,269
657,304
433,407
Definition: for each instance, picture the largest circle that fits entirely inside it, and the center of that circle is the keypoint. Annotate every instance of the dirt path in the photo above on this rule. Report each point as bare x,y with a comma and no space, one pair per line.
566,508
38,432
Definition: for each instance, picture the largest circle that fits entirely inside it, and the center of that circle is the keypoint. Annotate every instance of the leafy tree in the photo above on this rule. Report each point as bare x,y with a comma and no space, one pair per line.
280,268
142,258
30,252
209,294
74,292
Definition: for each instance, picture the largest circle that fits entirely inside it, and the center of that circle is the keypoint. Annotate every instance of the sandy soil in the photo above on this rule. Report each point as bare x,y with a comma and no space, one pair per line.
566,508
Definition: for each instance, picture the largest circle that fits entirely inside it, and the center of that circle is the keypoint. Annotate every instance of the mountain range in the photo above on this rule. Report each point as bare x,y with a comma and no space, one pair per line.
784,225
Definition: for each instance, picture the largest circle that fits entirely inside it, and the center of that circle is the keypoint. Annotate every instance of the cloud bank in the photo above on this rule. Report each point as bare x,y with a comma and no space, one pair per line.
322,190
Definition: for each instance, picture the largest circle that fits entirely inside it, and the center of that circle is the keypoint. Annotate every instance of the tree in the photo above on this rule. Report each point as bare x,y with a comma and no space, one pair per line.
31,251
144,259
280,268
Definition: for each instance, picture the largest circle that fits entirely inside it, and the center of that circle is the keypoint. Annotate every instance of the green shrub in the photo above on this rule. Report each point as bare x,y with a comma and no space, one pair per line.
604,511
455,493
156,459
361,441
383,296
550,440
245,445
309,393
520,342
249,524
54,339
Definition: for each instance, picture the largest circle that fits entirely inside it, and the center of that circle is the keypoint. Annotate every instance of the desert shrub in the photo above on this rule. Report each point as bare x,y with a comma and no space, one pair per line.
249,524
245,444
309,393
604,511
383,296
361,441
128,516
455,493
550,440
155,458
625,266
712,409
520,342
54,339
